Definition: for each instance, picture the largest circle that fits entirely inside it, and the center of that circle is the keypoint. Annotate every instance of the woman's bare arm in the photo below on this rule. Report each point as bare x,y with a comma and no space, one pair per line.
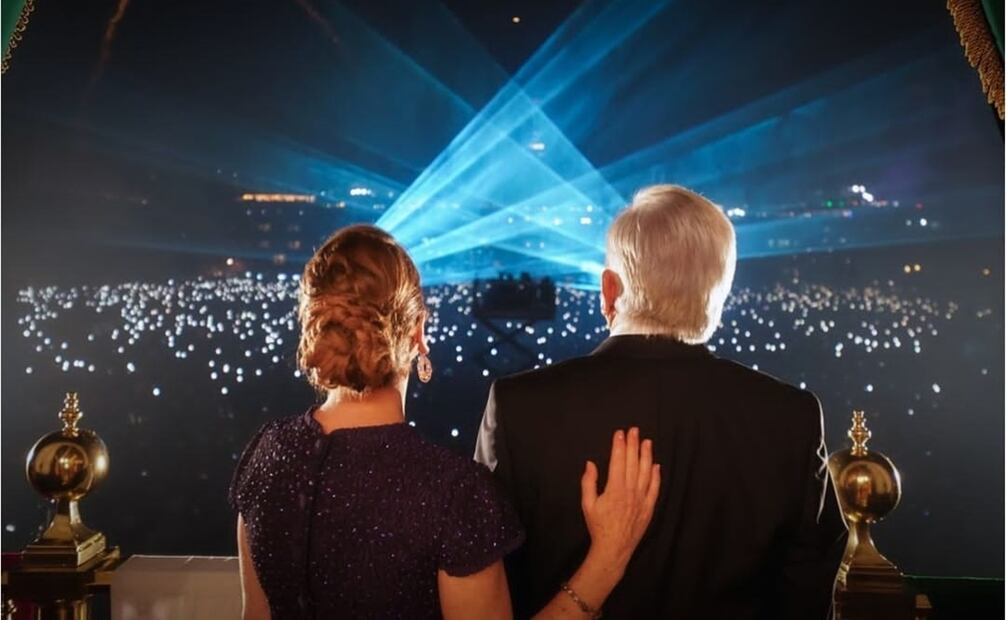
254,605
483,595
616,520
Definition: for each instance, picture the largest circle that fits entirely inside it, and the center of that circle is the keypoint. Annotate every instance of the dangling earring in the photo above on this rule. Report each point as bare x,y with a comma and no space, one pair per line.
424,368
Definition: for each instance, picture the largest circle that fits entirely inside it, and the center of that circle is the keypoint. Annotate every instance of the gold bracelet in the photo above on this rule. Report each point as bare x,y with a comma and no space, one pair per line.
594,614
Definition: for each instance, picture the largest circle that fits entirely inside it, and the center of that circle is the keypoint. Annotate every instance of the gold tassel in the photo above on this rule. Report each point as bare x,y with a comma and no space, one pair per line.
979,48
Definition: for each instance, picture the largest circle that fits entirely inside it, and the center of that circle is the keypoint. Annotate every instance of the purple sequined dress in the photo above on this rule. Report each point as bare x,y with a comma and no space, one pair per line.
356,523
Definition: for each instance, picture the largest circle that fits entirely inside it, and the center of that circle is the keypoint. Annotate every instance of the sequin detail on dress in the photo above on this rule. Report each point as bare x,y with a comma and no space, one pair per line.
356,523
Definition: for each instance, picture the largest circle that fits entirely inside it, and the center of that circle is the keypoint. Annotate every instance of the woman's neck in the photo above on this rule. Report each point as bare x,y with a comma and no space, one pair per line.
382,406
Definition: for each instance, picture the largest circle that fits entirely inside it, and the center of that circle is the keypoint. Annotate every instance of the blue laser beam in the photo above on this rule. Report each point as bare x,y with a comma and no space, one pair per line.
580,43
735,153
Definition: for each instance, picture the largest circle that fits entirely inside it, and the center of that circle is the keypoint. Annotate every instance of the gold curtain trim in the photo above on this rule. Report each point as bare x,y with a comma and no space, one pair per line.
980,48
15,36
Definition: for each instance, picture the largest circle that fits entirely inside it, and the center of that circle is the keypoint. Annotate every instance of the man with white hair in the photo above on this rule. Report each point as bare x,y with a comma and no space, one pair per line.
747,525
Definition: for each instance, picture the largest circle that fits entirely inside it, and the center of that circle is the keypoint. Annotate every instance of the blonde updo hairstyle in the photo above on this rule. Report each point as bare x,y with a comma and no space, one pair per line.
360,304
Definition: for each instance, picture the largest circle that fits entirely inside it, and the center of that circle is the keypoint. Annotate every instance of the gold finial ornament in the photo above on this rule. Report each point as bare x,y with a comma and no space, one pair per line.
70,413
869,488
64,466
859,434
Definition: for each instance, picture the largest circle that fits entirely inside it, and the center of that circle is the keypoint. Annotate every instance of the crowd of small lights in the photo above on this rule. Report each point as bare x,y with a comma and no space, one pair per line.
242,327
240,332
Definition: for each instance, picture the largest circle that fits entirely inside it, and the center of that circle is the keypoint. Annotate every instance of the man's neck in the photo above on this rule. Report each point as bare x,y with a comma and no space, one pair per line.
625,327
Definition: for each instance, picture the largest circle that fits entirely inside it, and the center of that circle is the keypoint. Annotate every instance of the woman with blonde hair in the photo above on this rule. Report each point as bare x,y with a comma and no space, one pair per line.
345,511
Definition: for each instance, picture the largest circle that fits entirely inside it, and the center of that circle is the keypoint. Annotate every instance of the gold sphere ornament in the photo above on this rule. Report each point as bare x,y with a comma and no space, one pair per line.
64,466
868,486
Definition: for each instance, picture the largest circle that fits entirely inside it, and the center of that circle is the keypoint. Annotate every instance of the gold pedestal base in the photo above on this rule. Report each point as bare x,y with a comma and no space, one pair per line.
870,587
67,542
60,593
904,605
43,554
863,568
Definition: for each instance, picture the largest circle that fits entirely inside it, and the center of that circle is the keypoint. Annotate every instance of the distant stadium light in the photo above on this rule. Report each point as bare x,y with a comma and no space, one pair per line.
736,212
537,145
361,191
309,198
585,220
867,196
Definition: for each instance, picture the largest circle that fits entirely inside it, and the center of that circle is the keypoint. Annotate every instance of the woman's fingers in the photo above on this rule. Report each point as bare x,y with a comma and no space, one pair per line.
616,463
652,492
618,517
588,487
630,467
632,459
645,467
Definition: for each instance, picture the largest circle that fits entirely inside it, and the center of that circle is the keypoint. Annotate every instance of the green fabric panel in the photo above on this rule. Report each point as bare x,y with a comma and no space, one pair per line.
11,12
961,597
994,16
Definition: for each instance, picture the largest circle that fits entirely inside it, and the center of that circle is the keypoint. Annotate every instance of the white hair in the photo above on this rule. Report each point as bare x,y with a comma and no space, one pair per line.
675,253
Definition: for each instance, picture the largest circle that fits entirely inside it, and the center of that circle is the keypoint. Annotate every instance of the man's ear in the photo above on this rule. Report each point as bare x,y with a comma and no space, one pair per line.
419,336
611,290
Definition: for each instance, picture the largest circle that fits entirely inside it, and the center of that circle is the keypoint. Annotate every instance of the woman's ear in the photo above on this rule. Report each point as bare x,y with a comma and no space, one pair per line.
419,336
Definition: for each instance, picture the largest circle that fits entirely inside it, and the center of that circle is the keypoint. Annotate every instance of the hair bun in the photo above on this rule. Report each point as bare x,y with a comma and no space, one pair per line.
360,302
349,344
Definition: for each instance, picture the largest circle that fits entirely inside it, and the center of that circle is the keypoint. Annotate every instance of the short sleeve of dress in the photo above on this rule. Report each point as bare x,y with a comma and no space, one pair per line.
479,525
233,493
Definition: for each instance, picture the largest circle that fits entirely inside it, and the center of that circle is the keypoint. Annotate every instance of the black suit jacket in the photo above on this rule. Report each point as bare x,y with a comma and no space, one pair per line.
746,525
